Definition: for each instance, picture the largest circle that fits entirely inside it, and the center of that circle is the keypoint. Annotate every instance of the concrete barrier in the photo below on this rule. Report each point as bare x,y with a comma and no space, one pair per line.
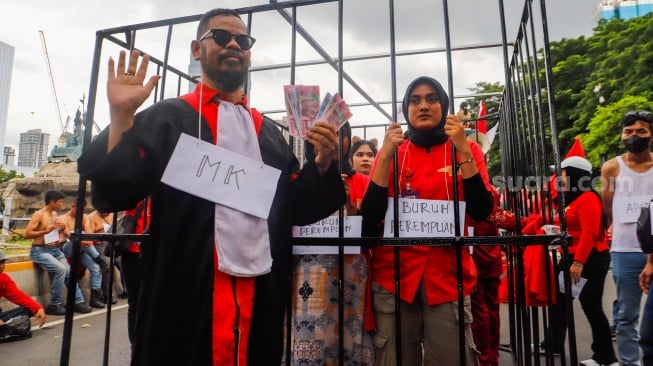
34,281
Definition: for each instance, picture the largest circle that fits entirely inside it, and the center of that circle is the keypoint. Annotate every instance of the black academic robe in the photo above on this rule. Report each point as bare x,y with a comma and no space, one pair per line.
174,316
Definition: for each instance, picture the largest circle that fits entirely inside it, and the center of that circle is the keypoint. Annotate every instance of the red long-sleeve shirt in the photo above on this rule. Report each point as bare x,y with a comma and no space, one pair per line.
9,290
585,226
429,172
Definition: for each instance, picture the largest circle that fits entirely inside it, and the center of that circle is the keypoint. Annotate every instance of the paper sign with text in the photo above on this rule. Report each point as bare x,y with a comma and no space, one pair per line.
51,237
626,209
576,288
328,228
221,176
423,218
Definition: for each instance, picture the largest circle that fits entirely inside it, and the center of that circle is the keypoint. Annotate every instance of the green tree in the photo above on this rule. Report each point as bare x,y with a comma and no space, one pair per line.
600,71
595,80
6,176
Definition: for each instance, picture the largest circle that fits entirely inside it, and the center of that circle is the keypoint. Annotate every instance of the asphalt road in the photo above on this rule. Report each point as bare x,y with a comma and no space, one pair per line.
87,349
87,346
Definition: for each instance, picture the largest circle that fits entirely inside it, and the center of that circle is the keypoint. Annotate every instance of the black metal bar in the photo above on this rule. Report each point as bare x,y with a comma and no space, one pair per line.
370,242
456,201
109,237
540,113
538,155
395,185
341,221
70,295
109,297
526,133
524,169
289,308
512,311
573,357
165,63
506,165
274,5
153,59
248,77
322,52
382,102
384,55
88,131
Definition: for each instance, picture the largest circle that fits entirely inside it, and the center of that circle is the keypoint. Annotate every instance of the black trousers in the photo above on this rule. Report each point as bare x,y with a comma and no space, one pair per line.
131,274
591,300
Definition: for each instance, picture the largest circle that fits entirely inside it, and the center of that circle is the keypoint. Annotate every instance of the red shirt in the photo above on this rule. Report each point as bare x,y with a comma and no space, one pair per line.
141,224
357,186
585,226
9,290
430,174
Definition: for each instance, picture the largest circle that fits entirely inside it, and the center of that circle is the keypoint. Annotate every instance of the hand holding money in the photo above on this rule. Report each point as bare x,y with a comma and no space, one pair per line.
304,109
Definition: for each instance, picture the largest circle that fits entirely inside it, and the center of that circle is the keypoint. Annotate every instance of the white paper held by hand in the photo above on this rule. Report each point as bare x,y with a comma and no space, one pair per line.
576,288
51,237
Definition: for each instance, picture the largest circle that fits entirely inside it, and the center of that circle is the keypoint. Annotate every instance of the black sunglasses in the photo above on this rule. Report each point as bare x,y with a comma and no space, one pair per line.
645,115
222,37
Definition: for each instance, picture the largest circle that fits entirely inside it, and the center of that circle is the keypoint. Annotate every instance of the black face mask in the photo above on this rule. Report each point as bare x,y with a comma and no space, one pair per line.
636,144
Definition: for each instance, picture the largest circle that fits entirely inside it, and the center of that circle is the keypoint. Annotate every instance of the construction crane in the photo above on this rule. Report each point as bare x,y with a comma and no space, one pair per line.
64,126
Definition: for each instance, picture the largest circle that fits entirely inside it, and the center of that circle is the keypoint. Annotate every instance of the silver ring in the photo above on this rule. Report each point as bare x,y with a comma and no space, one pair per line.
129,73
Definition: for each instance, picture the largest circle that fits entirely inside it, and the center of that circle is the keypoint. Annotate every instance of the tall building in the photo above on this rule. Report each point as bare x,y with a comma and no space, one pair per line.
194,71
33,148
297,143
622,9
9,157
6,66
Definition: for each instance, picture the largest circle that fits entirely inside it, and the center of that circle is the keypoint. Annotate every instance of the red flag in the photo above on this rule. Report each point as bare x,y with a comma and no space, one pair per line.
481,124
576,150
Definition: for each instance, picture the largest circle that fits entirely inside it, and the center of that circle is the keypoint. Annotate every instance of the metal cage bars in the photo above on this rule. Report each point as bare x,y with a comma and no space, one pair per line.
521,106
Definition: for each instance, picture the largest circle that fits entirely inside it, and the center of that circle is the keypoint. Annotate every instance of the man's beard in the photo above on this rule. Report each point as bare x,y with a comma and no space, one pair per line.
226,80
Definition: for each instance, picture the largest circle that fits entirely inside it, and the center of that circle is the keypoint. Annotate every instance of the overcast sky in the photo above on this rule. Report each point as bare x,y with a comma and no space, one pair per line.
70,25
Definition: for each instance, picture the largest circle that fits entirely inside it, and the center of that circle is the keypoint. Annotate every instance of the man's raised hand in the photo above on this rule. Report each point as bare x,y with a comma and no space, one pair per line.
126,92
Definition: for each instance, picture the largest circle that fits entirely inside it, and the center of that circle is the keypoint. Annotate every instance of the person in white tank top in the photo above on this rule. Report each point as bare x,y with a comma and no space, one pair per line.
627,184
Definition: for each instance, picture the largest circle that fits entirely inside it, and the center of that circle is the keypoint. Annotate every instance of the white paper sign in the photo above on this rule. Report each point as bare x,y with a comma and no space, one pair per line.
423,218
470,232
221,176
51,237
328,228
626,209
576,288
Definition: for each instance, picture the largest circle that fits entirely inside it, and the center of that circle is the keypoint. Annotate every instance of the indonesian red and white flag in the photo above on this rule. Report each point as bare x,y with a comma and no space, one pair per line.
481,124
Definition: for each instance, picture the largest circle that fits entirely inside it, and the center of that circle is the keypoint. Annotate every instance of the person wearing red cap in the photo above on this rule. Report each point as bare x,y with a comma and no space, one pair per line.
589,258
